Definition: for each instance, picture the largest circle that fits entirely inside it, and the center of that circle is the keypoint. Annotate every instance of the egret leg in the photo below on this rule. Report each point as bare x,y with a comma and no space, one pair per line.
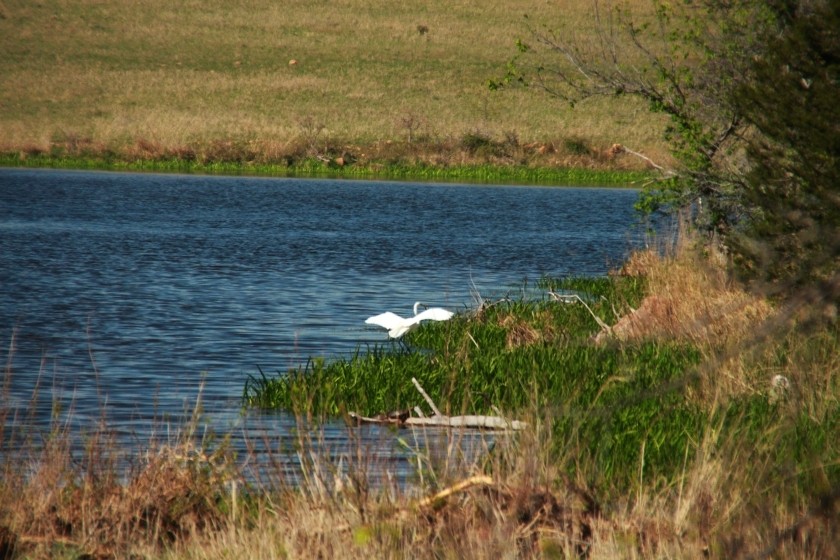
404,345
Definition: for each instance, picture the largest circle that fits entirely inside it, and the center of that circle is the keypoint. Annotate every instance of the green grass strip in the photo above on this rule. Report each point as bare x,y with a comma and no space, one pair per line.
314,168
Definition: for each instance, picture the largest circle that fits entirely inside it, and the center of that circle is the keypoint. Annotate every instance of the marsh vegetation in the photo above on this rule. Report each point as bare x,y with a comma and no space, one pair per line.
670,437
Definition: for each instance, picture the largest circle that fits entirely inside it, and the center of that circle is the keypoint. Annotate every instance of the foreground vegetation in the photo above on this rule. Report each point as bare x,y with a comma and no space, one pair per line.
701,424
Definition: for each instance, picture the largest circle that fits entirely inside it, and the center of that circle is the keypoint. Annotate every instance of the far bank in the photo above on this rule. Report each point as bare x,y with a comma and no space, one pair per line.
474,160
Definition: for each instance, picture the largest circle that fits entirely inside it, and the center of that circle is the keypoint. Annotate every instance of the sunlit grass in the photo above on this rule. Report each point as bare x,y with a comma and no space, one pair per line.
478,173
178,74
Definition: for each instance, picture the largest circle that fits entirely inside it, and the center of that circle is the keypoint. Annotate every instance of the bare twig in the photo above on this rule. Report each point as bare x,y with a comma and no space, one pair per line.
477,480
568,298
668,172
427,397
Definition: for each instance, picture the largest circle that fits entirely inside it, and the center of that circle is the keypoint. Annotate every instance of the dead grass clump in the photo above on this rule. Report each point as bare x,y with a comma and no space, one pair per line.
32,150
640,263
522,333
271,151
8,543
692,298
74,144
85,505
179,492
225,151
144,149
183,153
507,520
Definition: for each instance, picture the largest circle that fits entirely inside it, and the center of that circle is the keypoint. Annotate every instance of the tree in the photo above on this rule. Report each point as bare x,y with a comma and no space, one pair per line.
751,94
683,61
791,98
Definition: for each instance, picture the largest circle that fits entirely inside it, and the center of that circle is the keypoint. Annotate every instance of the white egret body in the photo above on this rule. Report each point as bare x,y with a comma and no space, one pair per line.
397,326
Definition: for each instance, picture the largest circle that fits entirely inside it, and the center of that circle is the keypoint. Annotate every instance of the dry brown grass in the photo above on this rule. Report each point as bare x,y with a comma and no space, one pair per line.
188,74
692,297
537,330
96,505
747,341
177,503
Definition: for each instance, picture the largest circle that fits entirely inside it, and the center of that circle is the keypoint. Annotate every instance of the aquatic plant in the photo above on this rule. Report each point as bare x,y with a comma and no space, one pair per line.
636,447
312,167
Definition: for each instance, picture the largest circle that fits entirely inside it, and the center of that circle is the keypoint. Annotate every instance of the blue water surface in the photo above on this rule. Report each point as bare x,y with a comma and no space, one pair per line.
129,293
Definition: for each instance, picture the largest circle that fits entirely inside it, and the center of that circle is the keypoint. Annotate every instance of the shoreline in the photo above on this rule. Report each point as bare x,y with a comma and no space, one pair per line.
473,173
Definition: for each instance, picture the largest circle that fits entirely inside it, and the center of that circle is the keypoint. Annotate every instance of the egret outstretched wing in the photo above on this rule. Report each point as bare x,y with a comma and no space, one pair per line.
398,326
434,314
385,320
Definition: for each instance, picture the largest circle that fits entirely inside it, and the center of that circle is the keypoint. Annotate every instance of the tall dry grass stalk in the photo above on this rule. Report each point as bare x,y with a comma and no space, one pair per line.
692,296
747,340
68,491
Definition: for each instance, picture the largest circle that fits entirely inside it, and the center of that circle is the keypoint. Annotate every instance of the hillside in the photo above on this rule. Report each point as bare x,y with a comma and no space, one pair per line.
217,79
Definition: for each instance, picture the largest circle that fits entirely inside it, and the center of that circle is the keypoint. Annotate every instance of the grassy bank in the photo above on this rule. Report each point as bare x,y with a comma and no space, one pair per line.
205,81
628,405
701,423
313,167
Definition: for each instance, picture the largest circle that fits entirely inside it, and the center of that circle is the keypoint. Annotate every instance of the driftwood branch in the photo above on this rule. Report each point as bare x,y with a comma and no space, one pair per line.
426,396
439,420
666,172
477,480
443,421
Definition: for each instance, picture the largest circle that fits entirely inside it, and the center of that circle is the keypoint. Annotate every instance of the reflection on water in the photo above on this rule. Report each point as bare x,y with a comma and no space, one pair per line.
126,296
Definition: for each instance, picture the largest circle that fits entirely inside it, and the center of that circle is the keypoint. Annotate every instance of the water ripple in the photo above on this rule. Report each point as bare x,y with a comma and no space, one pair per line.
132,291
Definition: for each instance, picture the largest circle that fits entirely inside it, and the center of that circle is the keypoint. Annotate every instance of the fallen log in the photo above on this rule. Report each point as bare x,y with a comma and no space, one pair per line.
443,421
438,419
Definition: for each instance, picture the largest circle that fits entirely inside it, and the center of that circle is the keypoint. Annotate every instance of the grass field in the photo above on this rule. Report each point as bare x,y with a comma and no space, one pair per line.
161,79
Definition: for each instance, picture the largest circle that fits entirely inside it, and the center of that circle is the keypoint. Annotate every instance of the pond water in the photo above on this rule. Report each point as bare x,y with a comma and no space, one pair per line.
127,296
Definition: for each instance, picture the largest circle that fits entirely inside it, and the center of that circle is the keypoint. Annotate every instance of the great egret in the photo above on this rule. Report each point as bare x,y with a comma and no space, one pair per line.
397,326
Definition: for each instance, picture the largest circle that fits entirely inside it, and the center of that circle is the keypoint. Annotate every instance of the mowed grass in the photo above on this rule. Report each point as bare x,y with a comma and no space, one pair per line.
171,74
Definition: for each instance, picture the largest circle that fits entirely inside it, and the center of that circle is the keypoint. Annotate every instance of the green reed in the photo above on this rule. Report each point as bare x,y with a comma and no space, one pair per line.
467,361
620,415
315,168
600,396
494,359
